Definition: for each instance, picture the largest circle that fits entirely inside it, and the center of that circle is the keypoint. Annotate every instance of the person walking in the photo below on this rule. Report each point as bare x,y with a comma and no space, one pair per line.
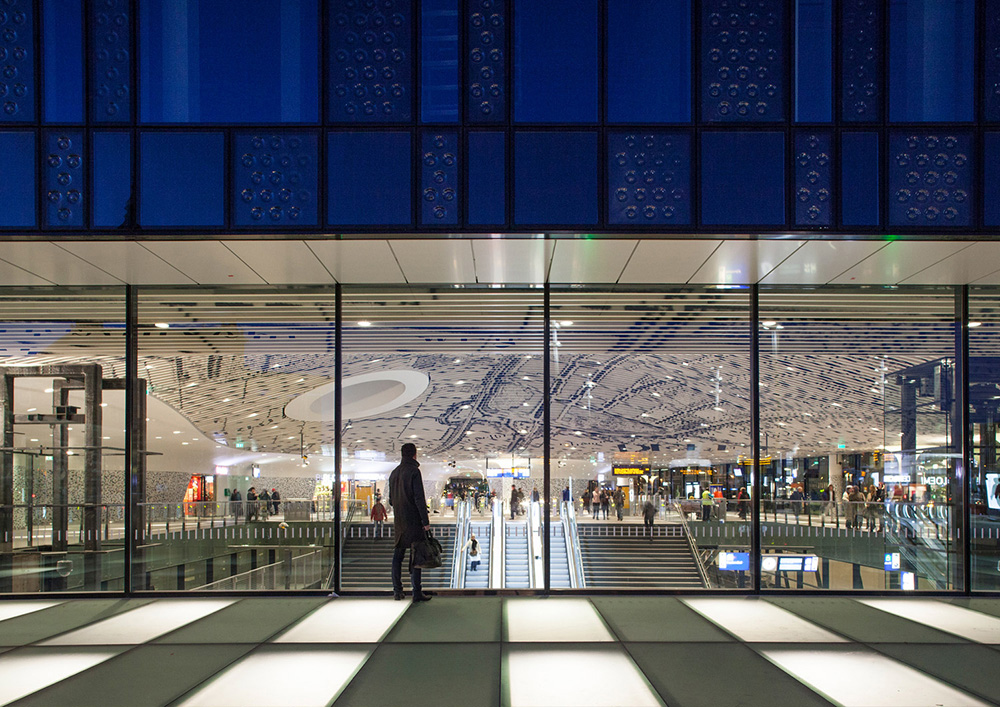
378,516
619,503
475,553
605,503
534,495
237,504
648,516
275,501
743,503
707,503
410,521
251,504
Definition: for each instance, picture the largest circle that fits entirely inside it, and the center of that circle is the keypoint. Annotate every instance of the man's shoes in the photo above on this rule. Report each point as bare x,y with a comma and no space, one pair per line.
421,597
398,596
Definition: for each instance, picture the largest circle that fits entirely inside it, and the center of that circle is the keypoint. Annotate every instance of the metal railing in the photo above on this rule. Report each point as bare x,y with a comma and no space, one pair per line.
497,545
463,515
567,515
702,572
291,572
33,523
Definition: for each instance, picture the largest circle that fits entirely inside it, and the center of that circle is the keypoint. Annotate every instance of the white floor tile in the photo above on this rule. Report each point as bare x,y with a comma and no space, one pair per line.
347,621
759,622
141,624
949,618
553,621
13,609
25,671
864,678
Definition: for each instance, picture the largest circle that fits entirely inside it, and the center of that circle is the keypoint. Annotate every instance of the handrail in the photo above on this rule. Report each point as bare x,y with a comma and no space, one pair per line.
533,527
497,579
567,514
458,564
348,520
693,546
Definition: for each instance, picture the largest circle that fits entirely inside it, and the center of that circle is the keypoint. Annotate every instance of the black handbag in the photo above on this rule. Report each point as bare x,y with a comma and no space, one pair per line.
426,553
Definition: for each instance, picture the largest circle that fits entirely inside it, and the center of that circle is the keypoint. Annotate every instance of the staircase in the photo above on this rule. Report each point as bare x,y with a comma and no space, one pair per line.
616,555
558,561
480,579
366,561
515,563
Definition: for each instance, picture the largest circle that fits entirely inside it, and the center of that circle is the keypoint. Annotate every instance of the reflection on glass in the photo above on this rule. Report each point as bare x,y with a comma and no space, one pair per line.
984,416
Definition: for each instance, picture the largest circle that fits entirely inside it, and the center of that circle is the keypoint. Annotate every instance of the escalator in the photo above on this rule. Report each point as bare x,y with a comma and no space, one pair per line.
479,578
516,570
559,575
617,555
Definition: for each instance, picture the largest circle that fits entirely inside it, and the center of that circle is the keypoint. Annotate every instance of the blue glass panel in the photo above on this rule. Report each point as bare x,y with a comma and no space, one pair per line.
931,57
62,57
555,61
813,179
487,179
991,179
859,175
112,199
486,65
742,61
439,179
368,178
814,61
218,61
930,179
649,61
64,179
276,179
991,61
17,179
555,178
439,61
181,179
17,61
862,24
371,61
649,178
111,66
742,178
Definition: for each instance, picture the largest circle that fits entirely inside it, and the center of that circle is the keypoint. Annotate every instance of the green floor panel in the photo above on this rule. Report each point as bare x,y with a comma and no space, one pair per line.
713,674
986,606
662,619
971,667
450,619
248,621
39,625
427,675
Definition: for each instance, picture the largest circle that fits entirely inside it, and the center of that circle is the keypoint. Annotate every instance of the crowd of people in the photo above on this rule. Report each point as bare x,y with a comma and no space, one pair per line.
255,506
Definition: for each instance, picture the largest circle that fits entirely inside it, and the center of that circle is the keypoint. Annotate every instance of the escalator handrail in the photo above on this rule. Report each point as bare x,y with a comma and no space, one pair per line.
702,572
497,549
567,512
530,541
462,524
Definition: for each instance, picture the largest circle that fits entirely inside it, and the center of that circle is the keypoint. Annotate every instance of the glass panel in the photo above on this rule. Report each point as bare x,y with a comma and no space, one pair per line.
17,53
859,178
984,377
276,179
991,61
487,178
111,64
650,428
439,179
113,201
65,179
439,61
486,62
930,179
17,179
62,55
814,61
555,178
813,178
458,373
857,444
861,60
181,179
991,179
649,178
742,178
368,178
62,478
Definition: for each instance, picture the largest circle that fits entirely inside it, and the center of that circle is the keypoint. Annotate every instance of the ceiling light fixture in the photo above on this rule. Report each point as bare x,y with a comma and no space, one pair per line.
364,323
162,325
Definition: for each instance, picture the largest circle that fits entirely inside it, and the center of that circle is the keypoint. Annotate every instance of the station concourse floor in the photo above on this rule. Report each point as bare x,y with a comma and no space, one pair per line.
616,651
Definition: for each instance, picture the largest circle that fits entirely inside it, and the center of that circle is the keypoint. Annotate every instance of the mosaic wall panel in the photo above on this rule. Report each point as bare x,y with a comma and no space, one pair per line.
813,179
863,24
17,61
439,179
649,178
371,61
991,62
65,177
743,60
486,67
111,65
930,179
276,179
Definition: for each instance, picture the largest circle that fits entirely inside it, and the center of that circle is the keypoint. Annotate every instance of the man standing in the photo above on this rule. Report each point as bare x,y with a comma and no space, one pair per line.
707,504
410,521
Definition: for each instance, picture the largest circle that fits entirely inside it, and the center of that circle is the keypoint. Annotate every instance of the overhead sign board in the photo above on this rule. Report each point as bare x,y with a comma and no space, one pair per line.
630,470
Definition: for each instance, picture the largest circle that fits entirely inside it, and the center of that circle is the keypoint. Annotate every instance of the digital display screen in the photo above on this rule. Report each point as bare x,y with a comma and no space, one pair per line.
891,561
734,560
992,497
637,470
798,563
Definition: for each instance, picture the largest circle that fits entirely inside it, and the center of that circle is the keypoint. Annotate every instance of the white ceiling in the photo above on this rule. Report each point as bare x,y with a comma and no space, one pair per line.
499,261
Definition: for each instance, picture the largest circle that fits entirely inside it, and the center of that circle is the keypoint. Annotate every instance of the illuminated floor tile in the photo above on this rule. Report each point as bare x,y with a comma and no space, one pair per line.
966,623
142,624
12,609
553,620
347,621
863,678
582,676
281,676
759,622
28,670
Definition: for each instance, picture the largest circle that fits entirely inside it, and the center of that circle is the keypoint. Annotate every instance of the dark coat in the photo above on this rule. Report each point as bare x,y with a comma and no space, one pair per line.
409,507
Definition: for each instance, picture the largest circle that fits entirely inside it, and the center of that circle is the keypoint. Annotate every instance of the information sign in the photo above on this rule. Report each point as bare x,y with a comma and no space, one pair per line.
734,560
630,470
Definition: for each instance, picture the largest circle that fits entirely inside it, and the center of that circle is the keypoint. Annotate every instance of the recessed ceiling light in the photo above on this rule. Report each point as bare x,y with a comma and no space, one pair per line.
159,438
466,407
32,409
566,322
459,382
973,325
184,444
522,432
300,380
177,432
104,405
253,414
413,436
34,440
191,385
457,360
409,414
364,322
162,325
225,400
468,432
578,433
524,405
655,395
274,427
48,390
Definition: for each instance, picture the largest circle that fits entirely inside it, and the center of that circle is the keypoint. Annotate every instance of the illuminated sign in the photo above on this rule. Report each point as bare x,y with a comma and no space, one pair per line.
634,470
749,460
734,560
909,581
790,563
891,561
516,472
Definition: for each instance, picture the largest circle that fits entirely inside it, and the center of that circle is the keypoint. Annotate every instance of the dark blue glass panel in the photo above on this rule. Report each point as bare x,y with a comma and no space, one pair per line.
486,61
181,179
991,61
859,175
555,61
649,178
439,61
218,61
368,177
371,61
62,57
742,178
862,25
742,61
991,179
64,179
439,179
931,57
555,178
487,179
17,61
111,66
930,179
813,179
649,61
112,153
276,179
17,179
814,61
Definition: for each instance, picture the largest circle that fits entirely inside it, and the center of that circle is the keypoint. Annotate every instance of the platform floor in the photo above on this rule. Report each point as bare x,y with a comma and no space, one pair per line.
517,651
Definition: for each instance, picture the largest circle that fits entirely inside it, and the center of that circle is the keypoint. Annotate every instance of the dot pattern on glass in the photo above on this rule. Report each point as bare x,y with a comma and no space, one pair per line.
649,178
17,72
861,59
111,73
813,179
64,179
930,179
439,179
276,179
371,63
743,60
486,28
991,62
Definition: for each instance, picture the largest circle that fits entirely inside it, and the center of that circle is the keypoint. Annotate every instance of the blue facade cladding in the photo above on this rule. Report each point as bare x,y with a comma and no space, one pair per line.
17,179
991,179
991,61
112,183
439,187
861,53
649,178
487,179
813,178
65,179
485,86
930,179
742,178
17,61
555,178
368,178
276,179
111,65
181,179
859,180
62,70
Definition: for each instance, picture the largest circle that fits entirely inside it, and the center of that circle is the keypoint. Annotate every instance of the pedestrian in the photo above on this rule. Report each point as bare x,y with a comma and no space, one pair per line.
648,516
798,501
275,501
534,495
475,552
855,506
264,504
251,504
619,503
586,500
410,521
237,504
378,516
743,503
566,496
707,504
605,503
514,499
